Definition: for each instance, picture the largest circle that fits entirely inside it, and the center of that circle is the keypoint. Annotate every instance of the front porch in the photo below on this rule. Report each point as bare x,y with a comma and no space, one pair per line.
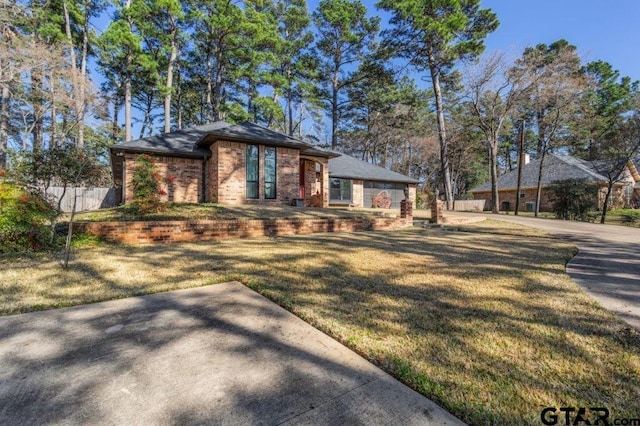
314,181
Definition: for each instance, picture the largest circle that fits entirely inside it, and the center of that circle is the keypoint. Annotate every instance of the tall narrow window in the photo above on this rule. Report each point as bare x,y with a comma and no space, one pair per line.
269,172
252,171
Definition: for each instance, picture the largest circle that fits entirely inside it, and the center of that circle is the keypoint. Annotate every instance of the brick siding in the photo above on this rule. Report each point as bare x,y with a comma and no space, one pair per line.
316,182
510,196
357,193
180,178
227,174
163,232
546,205
288,178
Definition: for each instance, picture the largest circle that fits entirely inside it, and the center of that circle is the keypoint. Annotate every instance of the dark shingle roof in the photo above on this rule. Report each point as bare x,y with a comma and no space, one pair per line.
194,142
252,132
348,167
180,142
555,167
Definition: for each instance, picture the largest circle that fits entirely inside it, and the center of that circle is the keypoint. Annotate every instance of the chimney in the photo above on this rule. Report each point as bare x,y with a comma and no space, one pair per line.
527,159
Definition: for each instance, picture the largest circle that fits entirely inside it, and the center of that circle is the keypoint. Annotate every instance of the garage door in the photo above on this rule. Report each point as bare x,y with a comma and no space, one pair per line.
373,188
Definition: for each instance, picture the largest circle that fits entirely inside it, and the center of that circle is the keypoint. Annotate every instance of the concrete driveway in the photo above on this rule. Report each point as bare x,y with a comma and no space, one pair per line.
607,265
221,354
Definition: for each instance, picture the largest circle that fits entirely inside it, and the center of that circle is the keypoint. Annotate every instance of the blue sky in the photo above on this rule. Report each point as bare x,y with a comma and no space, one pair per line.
601,30
606,30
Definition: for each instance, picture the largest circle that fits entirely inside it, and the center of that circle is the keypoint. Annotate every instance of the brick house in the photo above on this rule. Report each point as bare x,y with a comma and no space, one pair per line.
556,168
229,164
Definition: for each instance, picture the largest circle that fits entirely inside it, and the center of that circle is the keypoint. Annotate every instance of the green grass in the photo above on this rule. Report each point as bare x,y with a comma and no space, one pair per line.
625,217
487,324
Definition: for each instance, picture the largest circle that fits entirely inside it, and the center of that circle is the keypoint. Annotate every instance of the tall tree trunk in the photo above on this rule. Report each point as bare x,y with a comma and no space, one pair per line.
115,130
127,108
170,66
493,149
127,83
507,157
334,113
37,130
217,89
209,101
520,166
74,68
53,141
542,155
290,116
442,134
4,110
147,122
605,204
83,76
179,100
289,96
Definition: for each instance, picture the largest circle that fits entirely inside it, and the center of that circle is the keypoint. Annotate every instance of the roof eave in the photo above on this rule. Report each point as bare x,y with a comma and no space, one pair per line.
345,176
120,149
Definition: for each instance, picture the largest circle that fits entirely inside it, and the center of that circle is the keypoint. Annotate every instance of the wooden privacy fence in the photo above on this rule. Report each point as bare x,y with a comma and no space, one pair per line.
87,198
468,205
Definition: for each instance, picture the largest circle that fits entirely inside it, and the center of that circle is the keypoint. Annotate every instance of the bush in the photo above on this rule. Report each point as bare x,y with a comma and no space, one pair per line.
145,183
24,219
573,199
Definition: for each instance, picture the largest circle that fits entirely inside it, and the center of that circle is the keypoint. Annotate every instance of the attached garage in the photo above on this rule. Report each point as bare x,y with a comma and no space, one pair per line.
373,188
360,184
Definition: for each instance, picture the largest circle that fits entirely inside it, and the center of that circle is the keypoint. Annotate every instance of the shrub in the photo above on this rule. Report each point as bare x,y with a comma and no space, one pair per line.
24,219
145,183
573,199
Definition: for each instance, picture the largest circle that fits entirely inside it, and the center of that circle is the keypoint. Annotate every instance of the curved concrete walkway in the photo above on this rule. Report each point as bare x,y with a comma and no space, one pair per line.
221,354
607,265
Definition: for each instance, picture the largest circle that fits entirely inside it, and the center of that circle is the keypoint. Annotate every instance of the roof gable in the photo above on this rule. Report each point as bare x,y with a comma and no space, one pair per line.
248,131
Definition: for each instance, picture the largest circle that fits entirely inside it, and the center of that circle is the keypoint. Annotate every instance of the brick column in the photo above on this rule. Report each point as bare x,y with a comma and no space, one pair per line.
406,211
436,212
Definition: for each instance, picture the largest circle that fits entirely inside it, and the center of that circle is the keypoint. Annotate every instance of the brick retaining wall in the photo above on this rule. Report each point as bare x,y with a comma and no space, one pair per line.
162,232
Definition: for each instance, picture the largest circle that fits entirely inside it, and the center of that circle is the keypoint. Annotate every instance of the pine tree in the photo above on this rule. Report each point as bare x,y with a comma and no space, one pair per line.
345,36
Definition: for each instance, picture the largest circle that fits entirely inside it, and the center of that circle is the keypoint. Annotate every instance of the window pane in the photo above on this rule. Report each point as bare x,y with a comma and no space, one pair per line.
252,171
340,189
269,190
270,172
252,189
346,190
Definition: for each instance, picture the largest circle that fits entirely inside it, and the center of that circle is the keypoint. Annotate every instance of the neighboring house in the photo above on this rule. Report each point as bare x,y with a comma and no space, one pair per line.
556,168
358,183
229,164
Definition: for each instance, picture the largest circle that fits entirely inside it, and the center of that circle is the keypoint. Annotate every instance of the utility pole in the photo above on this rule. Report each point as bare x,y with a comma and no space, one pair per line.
520,164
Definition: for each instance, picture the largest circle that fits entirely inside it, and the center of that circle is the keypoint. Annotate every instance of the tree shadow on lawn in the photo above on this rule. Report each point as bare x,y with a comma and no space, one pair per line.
488,326
66,366
509,324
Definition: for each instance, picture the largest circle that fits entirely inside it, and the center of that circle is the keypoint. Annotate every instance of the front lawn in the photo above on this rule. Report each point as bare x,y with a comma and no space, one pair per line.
486,324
